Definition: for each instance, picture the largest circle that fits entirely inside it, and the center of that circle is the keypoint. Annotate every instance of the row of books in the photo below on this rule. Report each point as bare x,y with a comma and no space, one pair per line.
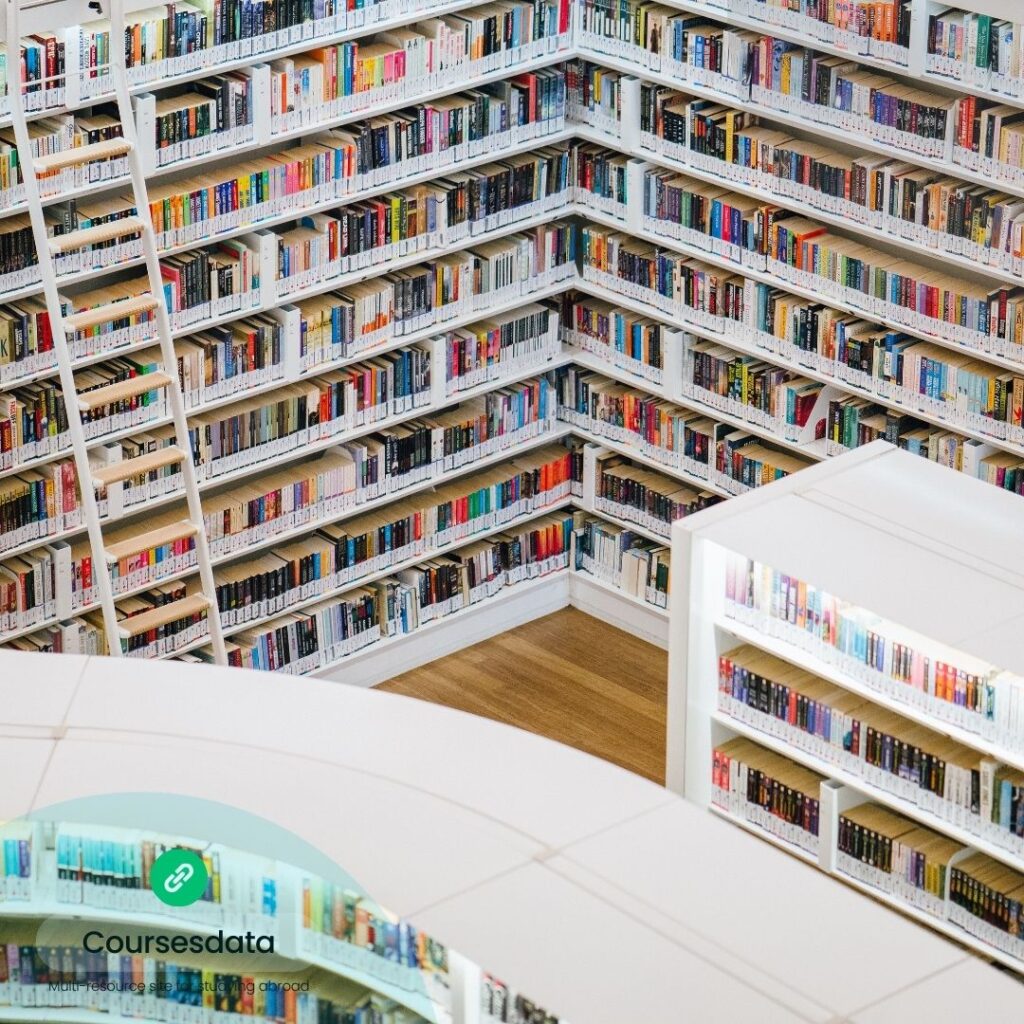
39,70
501,1005
397,605
512,343
213,114
636,494
769,791
750,314
618,337
926,207
109,869
918,671
622,558
875,28
207,284
899,858
135,985
800,252
342,554
594,96
727,460
336,164
17,862
224,359
339,325
336,80
33,419
217,113
752,389
338,923
889,753
980,50
289,501
771,74
55,134
190,37
106,868
600,179
59,580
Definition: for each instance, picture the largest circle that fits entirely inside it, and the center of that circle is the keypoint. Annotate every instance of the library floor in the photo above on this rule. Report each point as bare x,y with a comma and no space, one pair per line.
566,676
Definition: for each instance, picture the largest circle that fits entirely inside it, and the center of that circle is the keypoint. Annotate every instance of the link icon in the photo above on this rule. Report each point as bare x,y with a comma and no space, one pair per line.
178,877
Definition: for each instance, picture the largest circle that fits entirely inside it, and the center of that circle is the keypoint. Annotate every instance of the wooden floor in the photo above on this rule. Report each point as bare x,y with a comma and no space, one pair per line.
566,676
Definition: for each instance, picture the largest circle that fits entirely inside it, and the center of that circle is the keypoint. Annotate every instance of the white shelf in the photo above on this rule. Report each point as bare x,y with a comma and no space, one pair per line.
845,224
748,826
713,259
897,803
637,456
391,570
947,928
909,71
82,277
805,660
738,344
397,342
272,301
511,606
593,362
630,67
847,526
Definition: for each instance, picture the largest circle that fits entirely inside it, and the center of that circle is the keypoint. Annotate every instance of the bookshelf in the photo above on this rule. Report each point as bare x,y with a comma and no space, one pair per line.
617,121
765,586
328,932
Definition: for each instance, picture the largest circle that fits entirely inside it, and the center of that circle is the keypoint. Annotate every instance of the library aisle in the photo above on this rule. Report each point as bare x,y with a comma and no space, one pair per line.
567,676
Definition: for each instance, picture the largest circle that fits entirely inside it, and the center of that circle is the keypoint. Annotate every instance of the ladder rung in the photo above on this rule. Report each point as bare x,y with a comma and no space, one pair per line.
110,312
105,150
123,390
145,621
127,468
100,233
154,539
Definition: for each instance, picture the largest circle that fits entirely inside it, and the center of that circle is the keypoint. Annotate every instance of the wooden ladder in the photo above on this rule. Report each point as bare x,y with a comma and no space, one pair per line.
64,326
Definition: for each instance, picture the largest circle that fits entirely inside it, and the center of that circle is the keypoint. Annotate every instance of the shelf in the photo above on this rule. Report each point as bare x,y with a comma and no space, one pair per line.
628,524
737,344
768,837
406,563
869,60
945,927
590,51
274,301
845,224
244,395
897,803
637,456
765,277
802,659
592,362
303,530
516,591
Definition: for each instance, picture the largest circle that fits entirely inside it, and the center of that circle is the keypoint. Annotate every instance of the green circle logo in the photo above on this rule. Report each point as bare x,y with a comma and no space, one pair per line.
178,877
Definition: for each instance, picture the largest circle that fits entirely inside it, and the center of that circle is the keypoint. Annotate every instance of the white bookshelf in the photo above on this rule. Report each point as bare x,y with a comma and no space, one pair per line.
636,66
846,527
451,995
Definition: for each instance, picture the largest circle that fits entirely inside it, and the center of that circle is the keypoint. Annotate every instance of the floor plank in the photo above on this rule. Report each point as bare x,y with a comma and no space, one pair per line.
566,676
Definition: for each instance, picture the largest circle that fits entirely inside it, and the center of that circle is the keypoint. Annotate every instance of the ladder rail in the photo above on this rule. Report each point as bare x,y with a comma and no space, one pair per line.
126,113
80,450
